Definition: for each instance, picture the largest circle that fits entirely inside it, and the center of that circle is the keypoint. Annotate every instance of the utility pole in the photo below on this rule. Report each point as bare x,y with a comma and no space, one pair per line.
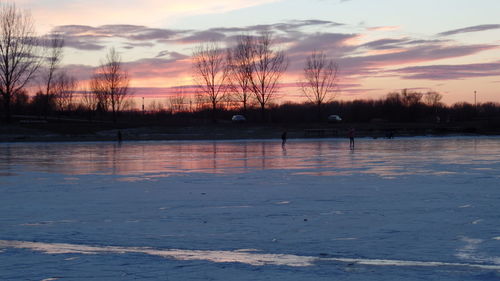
142,105
475,103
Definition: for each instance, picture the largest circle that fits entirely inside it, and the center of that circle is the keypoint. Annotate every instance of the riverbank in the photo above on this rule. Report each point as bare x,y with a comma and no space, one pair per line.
77,131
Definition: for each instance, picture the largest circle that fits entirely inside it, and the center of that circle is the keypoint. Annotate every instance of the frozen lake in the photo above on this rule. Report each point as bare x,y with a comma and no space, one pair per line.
402,209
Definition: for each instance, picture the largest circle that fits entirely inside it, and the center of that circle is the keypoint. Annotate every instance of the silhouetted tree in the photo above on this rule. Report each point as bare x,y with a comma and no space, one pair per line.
409,98
268,65
211,73
240,63
39,103
433,99
90,102
19,53
177,102
393,99
464,111
63,89
156,107
20,102
109,83
320,80
55,45
201,102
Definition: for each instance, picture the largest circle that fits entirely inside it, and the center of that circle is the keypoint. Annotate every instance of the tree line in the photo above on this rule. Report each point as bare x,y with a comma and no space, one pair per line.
242,78
405,106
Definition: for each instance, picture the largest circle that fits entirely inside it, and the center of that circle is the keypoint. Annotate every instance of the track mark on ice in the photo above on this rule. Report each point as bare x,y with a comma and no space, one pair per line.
249,256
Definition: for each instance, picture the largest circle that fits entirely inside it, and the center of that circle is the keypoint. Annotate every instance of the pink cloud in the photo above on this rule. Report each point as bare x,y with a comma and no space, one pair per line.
384,28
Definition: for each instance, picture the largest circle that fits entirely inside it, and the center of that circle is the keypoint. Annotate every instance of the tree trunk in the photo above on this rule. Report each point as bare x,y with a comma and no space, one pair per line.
7,112
263,112
214,110
319,112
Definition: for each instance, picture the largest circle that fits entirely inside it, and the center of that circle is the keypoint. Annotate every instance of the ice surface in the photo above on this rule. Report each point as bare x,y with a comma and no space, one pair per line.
404,209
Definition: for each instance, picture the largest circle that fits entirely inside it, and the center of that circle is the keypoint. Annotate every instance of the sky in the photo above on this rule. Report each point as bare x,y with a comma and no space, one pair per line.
381,46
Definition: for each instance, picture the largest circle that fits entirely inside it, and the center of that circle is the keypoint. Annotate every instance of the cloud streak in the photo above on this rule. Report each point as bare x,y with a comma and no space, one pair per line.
476,28
86,37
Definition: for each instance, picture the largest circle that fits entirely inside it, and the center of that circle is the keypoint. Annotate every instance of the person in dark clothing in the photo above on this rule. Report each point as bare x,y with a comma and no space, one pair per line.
283,138
351,134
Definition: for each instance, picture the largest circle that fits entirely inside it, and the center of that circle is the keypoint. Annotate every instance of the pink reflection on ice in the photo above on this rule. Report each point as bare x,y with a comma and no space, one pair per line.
139,161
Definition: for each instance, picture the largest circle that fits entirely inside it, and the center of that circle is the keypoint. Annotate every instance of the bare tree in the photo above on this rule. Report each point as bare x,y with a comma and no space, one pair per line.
240,65
320,80
211,73
268,65
19,53
200,102
63,89
410,98
55,44
156,107
231,102
100,94
177,103
433,98
110,84
90,102
393,98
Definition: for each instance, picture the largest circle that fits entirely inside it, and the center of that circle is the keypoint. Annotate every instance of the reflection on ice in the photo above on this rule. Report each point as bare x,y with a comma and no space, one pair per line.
141,161
247,256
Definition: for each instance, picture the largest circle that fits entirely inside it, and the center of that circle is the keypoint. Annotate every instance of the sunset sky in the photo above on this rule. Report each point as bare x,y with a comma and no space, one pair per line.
449,46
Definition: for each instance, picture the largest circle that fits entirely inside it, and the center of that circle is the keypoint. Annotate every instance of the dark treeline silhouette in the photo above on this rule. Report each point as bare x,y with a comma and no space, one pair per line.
404,107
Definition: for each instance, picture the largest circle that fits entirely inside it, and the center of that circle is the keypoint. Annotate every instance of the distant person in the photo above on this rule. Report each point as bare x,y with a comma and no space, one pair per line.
283,138
119,136
351,134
